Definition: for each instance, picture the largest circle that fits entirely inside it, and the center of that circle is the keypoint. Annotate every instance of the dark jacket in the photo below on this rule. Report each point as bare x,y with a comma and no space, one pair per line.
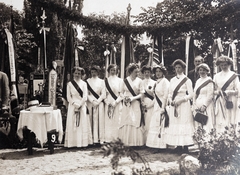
193,76
4,89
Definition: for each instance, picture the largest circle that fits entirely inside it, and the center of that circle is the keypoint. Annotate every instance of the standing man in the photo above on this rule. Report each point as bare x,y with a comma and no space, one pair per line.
193,74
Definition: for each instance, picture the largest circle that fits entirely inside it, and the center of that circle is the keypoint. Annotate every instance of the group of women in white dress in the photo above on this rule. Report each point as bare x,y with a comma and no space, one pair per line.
152,111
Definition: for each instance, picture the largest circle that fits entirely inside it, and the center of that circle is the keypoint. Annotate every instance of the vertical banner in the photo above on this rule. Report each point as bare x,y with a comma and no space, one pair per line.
122,58
216,49
161,50
187,53
106,54
232,53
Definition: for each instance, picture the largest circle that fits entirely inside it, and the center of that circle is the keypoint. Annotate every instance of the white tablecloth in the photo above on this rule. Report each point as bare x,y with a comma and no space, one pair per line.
40,123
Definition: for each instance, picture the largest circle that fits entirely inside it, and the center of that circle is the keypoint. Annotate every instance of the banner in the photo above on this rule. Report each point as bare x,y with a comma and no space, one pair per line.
187,53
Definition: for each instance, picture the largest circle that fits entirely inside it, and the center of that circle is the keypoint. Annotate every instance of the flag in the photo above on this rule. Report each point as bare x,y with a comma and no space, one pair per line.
156,54
12,73
127,49
232,53
187,52
69,56
216,50
127,54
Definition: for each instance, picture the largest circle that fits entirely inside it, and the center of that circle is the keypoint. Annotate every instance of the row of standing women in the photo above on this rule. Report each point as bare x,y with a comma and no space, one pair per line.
134,110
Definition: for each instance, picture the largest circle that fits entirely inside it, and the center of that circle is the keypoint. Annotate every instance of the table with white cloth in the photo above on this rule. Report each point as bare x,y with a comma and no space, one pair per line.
44,124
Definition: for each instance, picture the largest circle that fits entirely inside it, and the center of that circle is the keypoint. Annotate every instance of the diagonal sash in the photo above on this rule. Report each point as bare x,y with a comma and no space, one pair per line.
77,88
110,90
134,94
201,86
224,87
92,91
178,87
148,95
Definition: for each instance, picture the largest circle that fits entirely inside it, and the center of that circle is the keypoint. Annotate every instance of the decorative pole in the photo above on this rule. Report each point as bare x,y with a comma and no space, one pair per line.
128,13
43,30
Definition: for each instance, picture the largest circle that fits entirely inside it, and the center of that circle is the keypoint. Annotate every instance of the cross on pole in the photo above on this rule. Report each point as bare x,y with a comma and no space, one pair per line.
43,30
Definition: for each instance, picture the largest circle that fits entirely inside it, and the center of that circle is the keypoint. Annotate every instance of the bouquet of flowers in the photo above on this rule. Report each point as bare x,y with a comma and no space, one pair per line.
110,111
127,101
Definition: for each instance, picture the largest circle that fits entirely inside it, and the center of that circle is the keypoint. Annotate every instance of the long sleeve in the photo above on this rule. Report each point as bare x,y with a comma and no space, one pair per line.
210,91
69,95
165,92
85,94
103,93
189,90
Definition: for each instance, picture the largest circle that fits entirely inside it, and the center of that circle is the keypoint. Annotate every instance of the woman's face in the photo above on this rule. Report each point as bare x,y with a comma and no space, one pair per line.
113,71
135,73
202,72
94,73
159,73
178,69
77,75
224,66
147,74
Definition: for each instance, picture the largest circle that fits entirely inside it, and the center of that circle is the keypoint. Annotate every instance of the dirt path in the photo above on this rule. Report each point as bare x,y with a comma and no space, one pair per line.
76,161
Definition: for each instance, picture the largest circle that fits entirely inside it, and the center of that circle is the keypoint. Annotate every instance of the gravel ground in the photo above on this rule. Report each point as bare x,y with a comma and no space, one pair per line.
88,161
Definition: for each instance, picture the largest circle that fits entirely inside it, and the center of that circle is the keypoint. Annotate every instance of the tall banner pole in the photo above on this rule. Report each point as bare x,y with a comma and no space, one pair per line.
106,54
187,53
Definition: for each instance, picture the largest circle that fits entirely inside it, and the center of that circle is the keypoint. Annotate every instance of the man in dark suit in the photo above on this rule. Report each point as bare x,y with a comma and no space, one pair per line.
193,74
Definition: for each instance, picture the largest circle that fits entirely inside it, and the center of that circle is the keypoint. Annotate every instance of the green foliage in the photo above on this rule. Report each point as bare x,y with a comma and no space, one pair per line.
118,150
219,153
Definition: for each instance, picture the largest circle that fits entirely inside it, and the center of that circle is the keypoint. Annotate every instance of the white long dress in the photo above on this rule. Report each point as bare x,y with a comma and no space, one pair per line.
77,136
96,114
112,122
156,128
181,128
130,129
148,85
224,116
205,97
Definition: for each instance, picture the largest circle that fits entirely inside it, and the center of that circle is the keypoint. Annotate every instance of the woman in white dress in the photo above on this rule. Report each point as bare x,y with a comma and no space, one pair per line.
203,96
181,128
78,130
148,97
156,134
96,95
113,103
226,82
132,122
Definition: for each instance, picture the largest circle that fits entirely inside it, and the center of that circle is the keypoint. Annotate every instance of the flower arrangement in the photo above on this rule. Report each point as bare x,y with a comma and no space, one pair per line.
127,101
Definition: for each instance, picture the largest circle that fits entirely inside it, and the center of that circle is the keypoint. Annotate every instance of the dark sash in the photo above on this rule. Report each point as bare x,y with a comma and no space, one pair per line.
178,87
110,90
77,113
134,94
200,87
224,87
77,88
92,91
166,124
148,95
